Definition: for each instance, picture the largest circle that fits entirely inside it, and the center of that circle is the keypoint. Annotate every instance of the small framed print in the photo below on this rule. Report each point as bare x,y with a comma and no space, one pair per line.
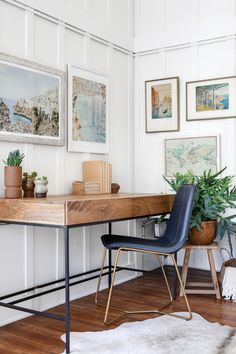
162,105
191,154
211,99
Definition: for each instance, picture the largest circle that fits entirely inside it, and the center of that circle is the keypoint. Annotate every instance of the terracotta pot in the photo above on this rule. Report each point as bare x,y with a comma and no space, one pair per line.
204,237
28,187
13,181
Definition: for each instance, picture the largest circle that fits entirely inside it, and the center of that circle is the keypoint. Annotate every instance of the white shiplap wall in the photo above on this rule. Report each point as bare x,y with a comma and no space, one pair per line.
194,40
30,256
111,20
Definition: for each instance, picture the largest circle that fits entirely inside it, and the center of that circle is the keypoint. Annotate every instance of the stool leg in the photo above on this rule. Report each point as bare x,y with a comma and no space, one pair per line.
213,273
185,270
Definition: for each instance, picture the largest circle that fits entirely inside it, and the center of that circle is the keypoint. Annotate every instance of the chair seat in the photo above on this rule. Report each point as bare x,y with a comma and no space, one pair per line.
118,241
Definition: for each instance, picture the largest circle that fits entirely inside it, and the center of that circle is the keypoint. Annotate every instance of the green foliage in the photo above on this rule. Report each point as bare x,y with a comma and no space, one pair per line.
32,175
42,178
14,158
214,195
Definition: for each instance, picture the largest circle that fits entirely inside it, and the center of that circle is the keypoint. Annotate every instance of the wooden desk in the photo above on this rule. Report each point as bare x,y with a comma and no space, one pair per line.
67,211
70,210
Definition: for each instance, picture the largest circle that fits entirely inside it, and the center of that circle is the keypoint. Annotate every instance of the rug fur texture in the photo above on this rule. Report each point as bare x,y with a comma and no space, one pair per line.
161,335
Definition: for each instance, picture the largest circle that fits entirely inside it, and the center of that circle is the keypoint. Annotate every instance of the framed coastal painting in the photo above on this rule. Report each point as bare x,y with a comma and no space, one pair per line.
191,154
211,99
31,102
162,105
88,102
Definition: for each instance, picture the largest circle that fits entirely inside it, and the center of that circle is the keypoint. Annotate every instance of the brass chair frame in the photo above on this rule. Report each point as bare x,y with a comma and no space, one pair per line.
127,312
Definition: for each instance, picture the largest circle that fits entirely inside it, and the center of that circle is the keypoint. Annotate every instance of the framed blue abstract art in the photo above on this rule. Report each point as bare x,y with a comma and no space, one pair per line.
88,103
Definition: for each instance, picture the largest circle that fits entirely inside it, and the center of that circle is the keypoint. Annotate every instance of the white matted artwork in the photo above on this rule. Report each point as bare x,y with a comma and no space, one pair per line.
31,102
211,99
192,154
162,105
88,107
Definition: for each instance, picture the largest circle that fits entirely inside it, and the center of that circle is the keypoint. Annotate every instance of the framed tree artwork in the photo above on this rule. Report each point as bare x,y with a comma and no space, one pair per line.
162,105
211,99
88,102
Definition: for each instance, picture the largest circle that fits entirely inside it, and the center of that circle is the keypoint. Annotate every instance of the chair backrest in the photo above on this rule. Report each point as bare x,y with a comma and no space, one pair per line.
178,224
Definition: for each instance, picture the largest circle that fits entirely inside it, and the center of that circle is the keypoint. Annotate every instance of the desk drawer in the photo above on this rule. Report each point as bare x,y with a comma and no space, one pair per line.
89,211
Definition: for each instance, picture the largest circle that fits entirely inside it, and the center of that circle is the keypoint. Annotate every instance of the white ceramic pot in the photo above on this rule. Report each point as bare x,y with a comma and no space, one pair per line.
41,188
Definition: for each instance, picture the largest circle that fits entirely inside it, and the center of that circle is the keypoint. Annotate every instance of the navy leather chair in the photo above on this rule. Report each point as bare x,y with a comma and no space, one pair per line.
171,242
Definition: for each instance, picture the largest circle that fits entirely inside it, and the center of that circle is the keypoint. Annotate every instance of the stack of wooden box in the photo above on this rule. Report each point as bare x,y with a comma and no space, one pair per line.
97,178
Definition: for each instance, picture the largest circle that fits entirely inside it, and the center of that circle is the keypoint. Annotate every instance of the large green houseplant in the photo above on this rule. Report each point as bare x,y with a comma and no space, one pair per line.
214,196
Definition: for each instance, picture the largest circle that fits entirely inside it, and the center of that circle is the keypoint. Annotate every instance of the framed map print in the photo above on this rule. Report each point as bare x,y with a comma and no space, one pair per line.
162,105
192,154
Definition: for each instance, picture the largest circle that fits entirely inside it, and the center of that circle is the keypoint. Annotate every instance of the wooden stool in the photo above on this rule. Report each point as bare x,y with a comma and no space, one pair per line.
209,248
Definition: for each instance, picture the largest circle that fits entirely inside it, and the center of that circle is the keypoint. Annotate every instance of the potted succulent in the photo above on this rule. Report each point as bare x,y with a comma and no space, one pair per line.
13,174
214,195
28,184
41,187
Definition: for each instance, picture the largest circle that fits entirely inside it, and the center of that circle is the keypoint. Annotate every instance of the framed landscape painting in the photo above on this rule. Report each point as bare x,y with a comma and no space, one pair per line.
31,102
88,102
211,99
162,105
192,154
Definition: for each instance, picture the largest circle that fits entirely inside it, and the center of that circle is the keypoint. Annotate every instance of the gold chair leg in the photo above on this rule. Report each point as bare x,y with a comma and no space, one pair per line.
182,290
126,312
100,277
165,277
98,288
110,291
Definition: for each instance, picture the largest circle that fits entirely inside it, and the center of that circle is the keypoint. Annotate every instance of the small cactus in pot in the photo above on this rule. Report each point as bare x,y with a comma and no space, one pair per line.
41,187
28,184
13,174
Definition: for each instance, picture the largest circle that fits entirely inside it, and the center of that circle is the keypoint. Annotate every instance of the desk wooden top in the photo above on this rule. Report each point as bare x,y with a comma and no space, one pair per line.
62,210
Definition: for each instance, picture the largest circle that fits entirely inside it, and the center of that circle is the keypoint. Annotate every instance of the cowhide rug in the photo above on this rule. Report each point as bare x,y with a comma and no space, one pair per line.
161,335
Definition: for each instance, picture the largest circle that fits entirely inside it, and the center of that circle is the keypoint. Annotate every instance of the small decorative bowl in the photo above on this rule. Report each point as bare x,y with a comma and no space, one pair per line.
115,187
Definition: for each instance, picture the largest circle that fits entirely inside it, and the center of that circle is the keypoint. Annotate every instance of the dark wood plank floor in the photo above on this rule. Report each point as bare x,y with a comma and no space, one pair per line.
36,335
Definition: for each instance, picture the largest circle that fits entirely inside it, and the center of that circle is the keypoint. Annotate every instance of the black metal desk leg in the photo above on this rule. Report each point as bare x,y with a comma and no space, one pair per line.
175,280
109,256
67,289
